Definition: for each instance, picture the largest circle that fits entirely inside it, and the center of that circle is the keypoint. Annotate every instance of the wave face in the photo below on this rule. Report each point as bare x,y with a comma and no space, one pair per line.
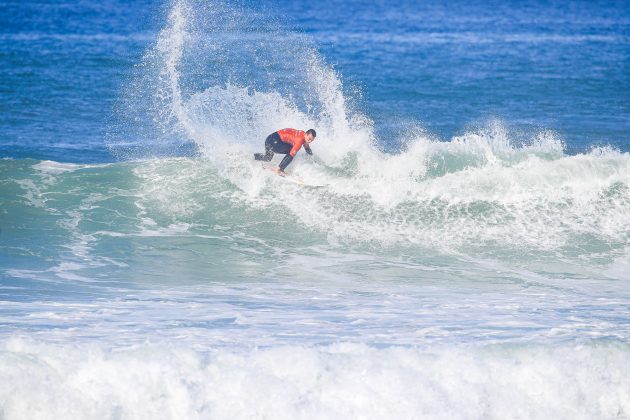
481,277
473,198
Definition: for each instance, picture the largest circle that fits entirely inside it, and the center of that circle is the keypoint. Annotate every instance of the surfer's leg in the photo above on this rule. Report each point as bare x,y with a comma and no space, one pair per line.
268,149
266,157
282,148
278,146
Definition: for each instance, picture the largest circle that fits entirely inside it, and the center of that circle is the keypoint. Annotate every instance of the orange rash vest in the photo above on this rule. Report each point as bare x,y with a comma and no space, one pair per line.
293,137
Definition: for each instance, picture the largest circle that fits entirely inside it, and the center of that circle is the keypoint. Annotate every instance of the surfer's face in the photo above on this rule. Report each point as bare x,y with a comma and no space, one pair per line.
308,138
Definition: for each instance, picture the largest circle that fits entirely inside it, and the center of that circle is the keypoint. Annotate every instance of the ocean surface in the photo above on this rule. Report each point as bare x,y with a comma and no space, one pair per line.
467,257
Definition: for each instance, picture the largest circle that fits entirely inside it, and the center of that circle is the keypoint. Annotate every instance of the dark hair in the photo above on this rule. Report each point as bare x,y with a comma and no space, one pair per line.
311,131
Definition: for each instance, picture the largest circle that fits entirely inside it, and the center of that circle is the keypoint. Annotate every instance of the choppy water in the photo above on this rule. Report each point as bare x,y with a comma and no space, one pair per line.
468,256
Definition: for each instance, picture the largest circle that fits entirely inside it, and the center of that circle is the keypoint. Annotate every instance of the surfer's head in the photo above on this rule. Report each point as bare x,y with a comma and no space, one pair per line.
310,135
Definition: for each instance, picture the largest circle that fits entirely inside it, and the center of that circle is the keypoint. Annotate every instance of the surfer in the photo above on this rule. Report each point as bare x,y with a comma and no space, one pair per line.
287,141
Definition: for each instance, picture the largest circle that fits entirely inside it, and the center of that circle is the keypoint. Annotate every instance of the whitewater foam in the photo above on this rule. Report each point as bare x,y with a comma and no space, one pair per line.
342,380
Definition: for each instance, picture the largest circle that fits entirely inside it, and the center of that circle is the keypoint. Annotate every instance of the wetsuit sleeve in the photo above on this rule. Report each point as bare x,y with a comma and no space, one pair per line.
285,162
308,150
296,147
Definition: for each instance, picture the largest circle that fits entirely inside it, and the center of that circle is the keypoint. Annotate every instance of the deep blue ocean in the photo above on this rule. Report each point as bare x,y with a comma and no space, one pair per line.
457,247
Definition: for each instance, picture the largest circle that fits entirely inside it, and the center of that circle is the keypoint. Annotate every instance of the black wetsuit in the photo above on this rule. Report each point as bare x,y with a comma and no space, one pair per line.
274,144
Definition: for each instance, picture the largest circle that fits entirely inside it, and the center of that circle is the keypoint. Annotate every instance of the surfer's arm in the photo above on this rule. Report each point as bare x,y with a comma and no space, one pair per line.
308,150
285,162
289,157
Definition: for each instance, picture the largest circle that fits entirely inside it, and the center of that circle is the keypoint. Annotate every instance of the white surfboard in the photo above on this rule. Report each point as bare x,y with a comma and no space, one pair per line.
295,179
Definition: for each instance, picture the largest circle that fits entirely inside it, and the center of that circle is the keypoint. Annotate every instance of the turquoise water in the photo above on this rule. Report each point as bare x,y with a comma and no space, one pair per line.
468,256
